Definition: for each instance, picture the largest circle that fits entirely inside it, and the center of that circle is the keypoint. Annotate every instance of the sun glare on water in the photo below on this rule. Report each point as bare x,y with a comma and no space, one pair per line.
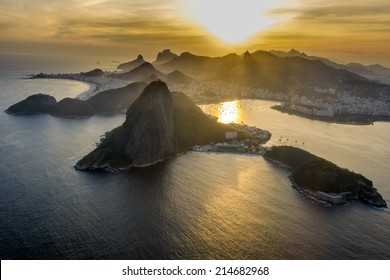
228,112
233,20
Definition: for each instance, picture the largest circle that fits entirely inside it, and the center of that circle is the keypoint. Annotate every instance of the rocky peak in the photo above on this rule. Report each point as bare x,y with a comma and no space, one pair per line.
145,138
132,64
165,55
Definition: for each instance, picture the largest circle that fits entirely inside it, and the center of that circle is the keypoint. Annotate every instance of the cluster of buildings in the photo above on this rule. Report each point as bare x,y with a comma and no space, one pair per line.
250,142
102,83
325,102
339,104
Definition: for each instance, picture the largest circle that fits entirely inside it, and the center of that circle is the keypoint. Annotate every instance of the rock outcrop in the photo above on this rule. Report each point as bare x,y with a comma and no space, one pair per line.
131,64
146,137
158,126
323,180
34,104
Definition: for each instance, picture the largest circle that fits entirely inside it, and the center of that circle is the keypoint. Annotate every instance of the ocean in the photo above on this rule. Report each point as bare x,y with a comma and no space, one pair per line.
195,206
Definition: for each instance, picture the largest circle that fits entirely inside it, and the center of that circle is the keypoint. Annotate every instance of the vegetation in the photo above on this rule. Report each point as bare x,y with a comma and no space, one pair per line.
314,174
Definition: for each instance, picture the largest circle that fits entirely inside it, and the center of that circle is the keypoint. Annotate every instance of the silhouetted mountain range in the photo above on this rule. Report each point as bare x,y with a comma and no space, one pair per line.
164,56
131,64
373,72
140,73
261,69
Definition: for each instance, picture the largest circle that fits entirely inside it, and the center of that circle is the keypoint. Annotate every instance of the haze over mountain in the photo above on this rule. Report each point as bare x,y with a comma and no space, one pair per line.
263,69
140,73
309,86
373,72
164,56
131,64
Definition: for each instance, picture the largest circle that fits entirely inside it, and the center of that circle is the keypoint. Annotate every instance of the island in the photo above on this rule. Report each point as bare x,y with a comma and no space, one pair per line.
34,104
322,180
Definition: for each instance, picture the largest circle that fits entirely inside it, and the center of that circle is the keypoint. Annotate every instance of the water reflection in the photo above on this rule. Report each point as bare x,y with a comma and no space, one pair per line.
228,112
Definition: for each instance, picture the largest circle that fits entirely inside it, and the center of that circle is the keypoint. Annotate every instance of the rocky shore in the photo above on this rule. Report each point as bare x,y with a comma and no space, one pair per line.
322,180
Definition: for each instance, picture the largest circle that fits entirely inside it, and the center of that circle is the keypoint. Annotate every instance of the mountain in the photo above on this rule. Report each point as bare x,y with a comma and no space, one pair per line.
283,75
164,56
372,72
178,77
94,73
259,69
158,125
34,104
70,107
116,100
140,73
323,180
131,64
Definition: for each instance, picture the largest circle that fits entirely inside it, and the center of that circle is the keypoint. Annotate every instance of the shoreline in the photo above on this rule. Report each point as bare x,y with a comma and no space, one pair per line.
96,84
346,119
94,89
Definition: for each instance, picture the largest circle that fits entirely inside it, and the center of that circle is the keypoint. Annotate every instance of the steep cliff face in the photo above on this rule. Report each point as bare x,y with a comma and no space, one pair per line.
147,136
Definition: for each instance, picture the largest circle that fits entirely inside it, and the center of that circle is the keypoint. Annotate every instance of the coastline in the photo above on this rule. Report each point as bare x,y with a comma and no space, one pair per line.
96,84
347,119
94,89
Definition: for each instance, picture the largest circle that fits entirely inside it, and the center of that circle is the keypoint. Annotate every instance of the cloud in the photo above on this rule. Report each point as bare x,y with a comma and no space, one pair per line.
370,15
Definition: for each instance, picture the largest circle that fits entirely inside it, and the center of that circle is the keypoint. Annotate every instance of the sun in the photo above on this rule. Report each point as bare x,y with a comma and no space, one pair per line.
233,21
228,112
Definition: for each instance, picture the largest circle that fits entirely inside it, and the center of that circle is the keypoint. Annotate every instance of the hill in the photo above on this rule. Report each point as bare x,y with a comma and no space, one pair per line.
131,64
140,73
322,179
158,125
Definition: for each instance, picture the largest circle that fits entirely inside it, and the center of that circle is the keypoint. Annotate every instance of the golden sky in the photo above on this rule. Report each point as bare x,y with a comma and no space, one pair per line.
344,30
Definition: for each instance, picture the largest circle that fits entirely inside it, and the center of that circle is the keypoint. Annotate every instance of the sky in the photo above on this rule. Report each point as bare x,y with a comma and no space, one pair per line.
347,31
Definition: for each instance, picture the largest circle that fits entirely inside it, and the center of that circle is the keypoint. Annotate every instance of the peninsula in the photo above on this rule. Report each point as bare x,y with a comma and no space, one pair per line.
323,180
158,126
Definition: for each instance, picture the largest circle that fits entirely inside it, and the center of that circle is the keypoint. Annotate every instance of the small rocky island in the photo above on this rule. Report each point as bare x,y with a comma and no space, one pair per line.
158,126
323,180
